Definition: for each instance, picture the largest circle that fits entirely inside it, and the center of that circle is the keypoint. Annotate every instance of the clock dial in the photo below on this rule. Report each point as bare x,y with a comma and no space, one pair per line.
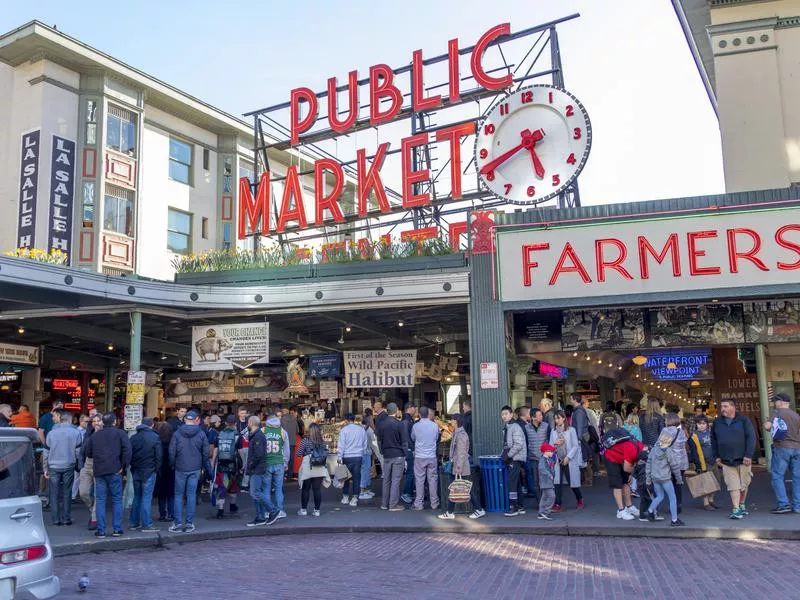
533,144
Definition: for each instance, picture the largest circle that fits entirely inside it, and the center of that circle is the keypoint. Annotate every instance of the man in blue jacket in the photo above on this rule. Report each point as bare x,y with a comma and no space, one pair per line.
733,439
146,462
188,455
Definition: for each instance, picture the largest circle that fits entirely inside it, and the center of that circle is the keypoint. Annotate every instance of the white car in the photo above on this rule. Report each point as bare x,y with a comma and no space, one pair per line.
26,558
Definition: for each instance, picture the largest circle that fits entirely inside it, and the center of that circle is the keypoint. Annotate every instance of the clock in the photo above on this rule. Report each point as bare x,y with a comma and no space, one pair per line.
532,144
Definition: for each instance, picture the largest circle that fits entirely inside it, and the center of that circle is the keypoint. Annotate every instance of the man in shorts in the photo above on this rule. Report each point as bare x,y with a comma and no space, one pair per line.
733,439
620,459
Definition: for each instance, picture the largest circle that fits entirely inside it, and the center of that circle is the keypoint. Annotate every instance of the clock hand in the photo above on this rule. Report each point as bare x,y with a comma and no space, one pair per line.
537,164
492,165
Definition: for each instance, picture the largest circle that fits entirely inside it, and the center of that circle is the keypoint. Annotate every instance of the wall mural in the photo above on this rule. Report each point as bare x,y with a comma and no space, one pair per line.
602,329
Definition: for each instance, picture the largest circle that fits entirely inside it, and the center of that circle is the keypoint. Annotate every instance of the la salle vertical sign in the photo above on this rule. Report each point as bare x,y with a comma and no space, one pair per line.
28,190
62,191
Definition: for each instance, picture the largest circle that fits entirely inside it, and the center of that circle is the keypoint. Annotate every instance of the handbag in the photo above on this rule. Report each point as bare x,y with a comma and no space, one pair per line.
702,484
447,467
459,490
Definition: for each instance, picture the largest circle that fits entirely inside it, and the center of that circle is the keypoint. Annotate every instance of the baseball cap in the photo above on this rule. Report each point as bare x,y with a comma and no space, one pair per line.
782,397
230,419
191,415
216,419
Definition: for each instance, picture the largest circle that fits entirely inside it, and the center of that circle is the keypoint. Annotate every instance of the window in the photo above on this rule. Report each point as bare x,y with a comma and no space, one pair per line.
180,161
118,210
227,170
17,470
204,228
179,231
121,130
88,203
226,236
246,170
91,122
206,158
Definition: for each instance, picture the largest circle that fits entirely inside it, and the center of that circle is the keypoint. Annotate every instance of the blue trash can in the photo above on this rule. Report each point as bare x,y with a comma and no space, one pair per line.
494,479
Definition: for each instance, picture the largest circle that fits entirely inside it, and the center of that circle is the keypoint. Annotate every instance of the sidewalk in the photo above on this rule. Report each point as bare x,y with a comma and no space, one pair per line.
597,519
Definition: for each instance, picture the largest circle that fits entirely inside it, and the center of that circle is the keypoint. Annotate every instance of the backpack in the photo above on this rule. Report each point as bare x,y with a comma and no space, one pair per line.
615,436
779,429
610,420
226,446
319,455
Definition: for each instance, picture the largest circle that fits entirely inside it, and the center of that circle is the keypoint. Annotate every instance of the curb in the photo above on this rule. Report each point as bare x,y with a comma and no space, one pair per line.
165,540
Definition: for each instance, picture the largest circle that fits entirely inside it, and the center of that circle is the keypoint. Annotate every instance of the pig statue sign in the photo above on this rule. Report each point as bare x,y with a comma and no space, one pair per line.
229,346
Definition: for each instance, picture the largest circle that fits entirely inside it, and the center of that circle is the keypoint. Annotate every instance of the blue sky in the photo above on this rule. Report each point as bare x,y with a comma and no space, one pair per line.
655,134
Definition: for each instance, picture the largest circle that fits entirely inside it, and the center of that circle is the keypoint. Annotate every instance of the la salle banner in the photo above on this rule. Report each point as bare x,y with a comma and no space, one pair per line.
380,368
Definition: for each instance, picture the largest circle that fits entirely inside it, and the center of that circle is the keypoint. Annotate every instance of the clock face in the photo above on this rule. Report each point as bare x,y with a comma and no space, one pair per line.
533,144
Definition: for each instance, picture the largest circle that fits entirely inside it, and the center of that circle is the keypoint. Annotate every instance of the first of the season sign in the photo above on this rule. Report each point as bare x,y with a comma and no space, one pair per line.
701,252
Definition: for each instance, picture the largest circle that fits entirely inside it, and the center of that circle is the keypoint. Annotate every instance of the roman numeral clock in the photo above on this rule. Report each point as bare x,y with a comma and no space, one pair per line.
532,144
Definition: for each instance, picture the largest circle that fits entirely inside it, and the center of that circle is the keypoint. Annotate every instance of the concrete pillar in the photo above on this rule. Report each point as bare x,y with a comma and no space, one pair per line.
111,376
31,385
519,381
151,402
762,373
136,341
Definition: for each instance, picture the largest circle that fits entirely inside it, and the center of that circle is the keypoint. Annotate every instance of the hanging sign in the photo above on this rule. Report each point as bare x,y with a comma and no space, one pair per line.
324,365
135,390
28,190
380,368
62,192
229,346
132,417
328,390
490,376
18,354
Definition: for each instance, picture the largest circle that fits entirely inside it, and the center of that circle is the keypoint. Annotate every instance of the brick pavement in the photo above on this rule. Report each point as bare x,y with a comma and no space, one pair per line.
437,566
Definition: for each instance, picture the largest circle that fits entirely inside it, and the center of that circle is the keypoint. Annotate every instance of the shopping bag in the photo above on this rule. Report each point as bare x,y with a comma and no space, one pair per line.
702,484
458,491
342,474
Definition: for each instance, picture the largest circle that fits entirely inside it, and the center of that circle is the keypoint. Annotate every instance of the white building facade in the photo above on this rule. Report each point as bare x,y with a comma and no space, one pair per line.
119,170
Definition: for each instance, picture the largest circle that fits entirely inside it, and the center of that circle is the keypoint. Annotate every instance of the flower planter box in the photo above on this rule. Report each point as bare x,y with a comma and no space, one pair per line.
394,265
245,277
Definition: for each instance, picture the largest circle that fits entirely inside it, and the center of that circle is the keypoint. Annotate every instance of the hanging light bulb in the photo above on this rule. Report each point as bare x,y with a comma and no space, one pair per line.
341,337
110,347
639,360
574,354
348,329
20,330
672,366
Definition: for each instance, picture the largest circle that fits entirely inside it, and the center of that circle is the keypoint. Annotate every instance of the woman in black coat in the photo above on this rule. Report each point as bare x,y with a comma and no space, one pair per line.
165,480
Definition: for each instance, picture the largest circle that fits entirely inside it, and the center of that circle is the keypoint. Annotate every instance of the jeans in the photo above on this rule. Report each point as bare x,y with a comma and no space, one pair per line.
783,458
314,484
546,500
185,482
532,477
353,464
425,468
86,487
142,509
61,494
106,485
408,486
392,475
665,488
366,471
260,490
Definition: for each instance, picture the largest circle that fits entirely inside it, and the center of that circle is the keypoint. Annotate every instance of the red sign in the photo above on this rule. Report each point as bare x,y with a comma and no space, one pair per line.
385,105
70,386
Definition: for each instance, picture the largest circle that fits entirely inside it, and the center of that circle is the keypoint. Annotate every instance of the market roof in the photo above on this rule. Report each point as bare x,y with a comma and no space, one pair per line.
694,17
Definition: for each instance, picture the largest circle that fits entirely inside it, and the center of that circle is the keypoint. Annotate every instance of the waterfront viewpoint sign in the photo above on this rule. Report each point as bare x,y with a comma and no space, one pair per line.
691,253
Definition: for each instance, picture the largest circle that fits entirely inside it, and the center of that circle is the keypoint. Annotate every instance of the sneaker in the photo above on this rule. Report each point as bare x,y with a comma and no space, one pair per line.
257,522
521,510
354,501
384,507
160,519
659,517
406,498
478,514
365,496
100,534
134,527
447,516
543,517
189,528
649,516
272,518
625,515
556,508
150,529
397,508
302,512
736,513
281,514
345,499
632,510
513,511
316,513
92,525
581,504
677,523
643,517
781,510
117,533
417,507
175,528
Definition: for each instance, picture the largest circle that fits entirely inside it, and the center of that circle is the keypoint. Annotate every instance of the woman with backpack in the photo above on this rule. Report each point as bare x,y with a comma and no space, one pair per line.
651,423
313,470
568,459
664,467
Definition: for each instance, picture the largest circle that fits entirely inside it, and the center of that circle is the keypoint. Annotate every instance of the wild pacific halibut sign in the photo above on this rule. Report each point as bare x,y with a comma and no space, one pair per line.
380,368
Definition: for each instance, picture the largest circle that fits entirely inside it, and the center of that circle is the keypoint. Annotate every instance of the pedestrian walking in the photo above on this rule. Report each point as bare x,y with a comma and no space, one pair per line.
733,440
678,450
61,457
313,470
621,455
651,423
146,457
663,466
546,466
408,484
785,429
701,454
462,467
228,466
110,449
393,441
568,461
368,424
188,455
425,435
350,449
260,452
165,480
515,453
580,422
86,485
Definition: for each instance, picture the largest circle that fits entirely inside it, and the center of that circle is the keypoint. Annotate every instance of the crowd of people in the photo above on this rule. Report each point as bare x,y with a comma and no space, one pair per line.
646,453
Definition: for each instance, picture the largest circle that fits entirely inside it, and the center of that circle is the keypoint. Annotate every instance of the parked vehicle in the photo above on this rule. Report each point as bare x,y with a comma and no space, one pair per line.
26,557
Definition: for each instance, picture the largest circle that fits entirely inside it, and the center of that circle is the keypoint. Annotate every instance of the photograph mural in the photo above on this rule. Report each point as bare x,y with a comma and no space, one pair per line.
772,321
696,325
602,329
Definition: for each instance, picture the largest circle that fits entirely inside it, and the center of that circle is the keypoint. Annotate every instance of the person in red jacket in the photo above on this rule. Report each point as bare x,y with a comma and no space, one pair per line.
620,459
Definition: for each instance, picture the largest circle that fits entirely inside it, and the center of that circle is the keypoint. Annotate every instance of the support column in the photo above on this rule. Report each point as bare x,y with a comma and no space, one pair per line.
31,382
487,344
111,376
763,399
136,341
